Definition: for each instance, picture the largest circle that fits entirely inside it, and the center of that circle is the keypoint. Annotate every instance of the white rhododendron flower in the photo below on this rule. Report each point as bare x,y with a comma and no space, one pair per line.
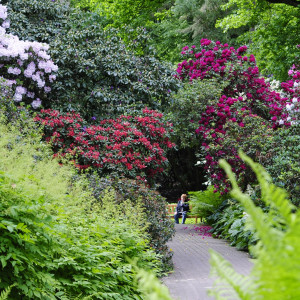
25,61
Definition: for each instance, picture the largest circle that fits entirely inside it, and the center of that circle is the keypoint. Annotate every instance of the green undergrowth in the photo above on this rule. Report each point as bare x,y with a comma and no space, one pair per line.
205,203
56,242
229,222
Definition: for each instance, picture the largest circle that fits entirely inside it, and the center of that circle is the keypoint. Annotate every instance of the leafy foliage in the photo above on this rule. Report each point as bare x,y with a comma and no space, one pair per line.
98,74
195,20
36,20
273,37
124,12
151,287
200,17
282,161
55,242
229,222
187,103
5,293
205,203
160,228
275,273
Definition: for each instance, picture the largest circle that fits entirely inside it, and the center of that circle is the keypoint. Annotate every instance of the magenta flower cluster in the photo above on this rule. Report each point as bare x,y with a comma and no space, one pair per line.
247,95
204,231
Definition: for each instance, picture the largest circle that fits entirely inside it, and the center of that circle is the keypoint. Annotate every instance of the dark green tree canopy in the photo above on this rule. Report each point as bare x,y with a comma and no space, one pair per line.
99,76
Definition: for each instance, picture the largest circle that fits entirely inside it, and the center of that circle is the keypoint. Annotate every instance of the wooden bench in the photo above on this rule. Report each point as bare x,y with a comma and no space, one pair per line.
171,209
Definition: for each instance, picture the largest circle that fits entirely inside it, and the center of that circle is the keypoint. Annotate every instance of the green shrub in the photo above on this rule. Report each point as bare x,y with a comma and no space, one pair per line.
204,203
275,274
99,76
37,20
160,228
282,160
229,222
188,104
55,241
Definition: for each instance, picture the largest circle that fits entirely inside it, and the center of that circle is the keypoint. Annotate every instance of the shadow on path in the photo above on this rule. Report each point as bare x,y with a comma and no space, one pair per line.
190,279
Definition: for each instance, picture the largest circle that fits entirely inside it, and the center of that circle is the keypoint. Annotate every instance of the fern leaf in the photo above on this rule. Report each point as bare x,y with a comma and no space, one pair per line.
263,226
4,294
230,285
275,274
271,194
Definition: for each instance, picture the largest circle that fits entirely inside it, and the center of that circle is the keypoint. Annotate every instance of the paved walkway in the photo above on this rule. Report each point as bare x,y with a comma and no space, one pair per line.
190,279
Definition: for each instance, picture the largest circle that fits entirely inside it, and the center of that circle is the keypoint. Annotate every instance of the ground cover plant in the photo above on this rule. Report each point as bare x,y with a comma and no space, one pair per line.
228,222
275,274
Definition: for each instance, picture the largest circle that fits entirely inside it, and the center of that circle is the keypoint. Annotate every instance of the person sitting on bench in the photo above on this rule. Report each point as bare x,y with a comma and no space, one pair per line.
181,209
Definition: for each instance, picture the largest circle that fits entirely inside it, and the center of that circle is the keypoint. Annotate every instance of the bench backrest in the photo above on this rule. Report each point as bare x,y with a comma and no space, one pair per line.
171,208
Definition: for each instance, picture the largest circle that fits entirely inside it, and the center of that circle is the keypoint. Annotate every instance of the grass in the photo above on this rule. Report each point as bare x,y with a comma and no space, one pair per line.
190,221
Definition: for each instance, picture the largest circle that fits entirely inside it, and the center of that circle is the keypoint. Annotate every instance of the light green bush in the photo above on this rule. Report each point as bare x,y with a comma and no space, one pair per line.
276,271
55,242
204,203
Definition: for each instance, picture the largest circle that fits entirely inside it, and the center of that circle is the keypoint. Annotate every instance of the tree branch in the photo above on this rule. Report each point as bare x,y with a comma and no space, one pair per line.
294,3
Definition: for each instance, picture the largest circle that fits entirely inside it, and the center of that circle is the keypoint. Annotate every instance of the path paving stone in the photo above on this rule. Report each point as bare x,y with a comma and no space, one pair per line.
191,279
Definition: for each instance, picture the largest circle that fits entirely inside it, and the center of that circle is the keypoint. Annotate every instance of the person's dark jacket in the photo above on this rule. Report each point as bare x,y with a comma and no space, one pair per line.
183,207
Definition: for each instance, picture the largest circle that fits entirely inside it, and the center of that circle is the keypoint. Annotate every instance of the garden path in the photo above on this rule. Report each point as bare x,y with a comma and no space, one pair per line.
190,279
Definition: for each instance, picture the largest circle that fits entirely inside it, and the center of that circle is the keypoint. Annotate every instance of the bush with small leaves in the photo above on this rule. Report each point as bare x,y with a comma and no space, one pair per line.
160,228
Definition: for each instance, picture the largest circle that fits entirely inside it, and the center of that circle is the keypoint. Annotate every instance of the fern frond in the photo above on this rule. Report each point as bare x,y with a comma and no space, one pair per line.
271,194
150,287
231,285
264,228
4,294
276,271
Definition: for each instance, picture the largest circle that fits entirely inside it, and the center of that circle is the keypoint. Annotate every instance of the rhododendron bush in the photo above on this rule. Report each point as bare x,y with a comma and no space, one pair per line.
26,65
247,98
132,145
